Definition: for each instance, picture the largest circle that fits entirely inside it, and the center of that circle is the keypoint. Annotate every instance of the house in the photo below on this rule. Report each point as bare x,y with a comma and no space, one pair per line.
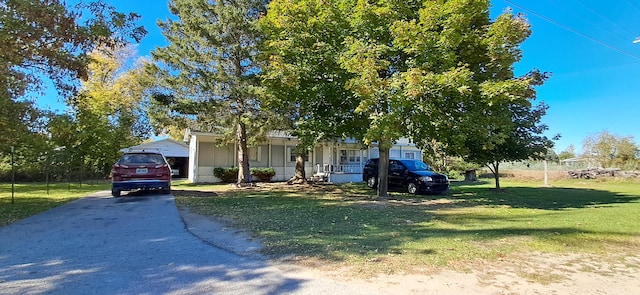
336,161
176,153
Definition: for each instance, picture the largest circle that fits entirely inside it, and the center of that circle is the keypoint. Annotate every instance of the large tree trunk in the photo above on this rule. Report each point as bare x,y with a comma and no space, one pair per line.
300,176
383,172
244,174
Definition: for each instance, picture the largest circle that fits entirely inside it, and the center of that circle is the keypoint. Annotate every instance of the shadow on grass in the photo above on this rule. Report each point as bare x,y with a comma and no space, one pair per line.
538,198
336,223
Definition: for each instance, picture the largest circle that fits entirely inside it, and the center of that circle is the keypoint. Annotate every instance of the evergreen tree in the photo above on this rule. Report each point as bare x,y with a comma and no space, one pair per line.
209,69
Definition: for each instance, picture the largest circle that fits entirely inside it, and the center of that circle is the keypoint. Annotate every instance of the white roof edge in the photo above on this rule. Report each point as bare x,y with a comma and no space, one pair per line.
286,134
143,145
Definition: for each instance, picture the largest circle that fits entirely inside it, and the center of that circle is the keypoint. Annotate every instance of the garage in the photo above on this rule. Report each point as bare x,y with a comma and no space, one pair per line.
176,153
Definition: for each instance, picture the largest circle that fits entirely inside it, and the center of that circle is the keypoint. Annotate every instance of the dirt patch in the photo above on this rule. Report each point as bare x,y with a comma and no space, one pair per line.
531,273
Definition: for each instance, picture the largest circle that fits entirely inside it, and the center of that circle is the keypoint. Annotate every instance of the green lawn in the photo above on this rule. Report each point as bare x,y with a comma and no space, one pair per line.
32,198
472,224
346,225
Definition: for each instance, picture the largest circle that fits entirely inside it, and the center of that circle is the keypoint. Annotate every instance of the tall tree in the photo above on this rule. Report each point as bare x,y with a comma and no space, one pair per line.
518,137
490,118
209,67
611,149
47,36
48,39
374,53
109,110
108,113
304,78
568,153
427,70
468,96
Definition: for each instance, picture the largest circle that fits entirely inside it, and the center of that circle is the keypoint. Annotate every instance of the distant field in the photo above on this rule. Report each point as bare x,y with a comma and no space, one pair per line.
529,175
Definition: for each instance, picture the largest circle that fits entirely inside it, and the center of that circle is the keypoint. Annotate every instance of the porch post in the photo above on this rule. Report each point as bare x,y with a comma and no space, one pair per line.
235,153
214,155
269,159
330,157
195,166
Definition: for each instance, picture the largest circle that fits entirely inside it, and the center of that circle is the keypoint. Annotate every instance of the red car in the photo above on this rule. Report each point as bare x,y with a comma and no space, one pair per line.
141,170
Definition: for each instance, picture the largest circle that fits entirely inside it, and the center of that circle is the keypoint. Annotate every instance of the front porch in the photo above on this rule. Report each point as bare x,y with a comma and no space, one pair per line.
337,173
336,161
343,161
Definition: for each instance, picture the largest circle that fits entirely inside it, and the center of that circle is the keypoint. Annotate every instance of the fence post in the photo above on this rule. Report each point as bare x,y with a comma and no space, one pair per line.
13,177
546,172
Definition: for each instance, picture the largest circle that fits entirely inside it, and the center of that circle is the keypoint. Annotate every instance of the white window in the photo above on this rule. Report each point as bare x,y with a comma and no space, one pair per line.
410,155
351,157
292,155
255,154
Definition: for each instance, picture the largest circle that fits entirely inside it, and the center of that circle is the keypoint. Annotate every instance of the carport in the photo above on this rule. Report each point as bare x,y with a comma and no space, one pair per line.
177,154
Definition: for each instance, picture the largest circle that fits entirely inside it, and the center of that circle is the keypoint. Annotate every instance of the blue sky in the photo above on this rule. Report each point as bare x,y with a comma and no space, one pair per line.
587,45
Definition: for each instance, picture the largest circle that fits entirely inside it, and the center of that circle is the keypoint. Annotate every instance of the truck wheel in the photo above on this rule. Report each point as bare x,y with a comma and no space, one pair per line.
115,193
372,182
412,188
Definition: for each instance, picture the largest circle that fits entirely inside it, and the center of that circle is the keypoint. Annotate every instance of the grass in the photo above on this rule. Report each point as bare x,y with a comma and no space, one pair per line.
32,198
345,225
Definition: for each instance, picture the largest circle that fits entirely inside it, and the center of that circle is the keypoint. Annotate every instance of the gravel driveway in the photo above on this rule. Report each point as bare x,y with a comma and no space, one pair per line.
136,245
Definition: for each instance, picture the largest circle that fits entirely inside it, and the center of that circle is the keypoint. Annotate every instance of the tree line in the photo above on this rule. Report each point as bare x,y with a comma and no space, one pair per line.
606,150
440,73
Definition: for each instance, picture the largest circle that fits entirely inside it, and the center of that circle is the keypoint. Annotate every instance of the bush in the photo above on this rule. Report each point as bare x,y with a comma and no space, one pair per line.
264,174
230,174
453,174
226,174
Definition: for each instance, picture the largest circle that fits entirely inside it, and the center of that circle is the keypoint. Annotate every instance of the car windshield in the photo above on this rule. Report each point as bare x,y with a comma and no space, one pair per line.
415,165
141,159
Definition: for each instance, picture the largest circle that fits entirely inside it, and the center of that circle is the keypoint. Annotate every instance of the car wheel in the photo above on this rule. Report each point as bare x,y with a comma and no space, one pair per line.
412,188
372,181
115,193
166,191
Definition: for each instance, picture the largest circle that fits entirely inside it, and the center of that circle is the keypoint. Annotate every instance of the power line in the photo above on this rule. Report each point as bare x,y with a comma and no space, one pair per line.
573,30
605,18
637,40
633,4
591,22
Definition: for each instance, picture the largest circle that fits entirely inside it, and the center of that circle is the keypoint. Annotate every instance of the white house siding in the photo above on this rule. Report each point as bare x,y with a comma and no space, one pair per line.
209,157
340,161
193,160
276,153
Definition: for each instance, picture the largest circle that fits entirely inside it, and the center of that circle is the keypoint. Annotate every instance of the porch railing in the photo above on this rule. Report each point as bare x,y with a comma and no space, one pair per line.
329,168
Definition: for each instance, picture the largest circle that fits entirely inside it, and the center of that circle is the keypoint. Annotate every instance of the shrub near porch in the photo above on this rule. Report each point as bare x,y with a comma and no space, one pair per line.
230,174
